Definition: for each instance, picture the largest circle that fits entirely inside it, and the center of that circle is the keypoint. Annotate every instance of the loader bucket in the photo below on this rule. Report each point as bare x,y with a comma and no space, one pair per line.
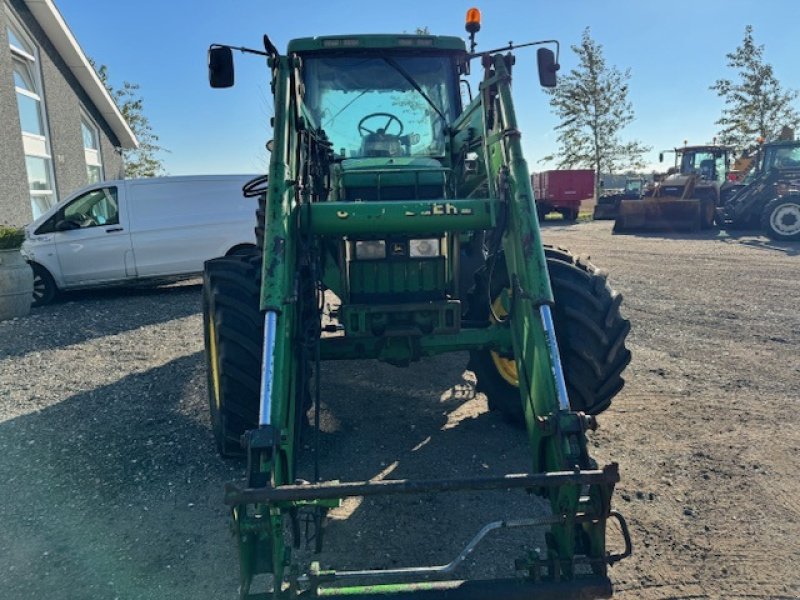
658,214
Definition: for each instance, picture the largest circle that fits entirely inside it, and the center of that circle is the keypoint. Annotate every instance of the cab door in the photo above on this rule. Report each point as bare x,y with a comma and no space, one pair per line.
92,241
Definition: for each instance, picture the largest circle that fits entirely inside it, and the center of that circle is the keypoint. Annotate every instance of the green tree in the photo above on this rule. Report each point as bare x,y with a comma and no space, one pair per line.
592,104
142,161
755,103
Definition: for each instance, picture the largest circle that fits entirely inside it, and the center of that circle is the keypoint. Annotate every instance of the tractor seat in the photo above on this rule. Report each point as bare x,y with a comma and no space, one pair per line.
381,144
707,169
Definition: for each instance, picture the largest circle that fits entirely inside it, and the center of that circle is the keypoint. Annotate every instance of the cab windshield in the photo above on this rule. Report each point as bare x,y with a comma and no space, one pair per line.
390,105
633,186
782,157
708,165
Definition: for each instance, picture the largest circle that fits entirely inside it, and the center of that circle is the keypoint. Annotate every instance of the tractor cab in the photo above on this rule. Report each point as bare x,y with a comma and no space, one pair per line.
708,163
386,104
634,188
779,155
382,97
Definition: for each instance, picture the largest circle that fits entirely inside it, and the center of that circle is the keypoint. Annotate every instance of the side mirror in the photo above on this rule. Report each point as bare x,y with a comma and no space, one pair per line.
548,67
220,67
660,157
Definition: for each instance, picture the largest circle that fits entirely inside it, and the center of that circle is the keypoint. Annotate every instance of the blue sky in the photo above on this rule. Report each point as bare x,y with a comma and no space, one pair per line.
674,49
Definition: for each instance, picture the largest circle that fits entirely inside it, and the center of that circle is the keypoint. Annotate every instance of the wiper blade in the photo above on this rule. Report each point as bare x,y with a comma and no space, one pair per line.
397,67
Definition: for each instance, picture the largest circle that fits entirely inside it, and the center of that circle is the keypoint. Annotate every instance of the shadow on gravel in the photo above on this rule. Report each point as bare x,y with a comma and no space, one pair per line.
753,239
787,248
424,422
711,235
117,492
84,315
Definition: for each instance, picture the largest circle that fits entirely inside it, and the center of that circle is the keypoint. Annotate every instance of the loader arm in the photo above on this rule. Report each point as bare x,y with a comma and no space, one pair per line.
556,434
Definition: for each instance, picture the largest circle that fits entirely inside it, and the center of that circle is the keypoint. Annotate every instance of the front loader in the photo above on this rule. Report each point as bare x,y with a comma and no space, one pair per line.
687,199
416,214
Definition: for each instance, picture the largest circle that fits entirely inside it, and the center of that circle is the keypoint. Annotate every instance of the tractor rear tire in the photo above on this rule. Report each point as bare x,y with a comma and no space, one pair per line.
590,330
780,219
233,329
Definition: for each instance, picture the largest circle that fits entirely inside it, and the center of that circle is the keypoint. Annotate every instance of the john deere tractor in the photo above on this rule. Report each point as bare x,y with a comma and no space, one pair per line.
414,214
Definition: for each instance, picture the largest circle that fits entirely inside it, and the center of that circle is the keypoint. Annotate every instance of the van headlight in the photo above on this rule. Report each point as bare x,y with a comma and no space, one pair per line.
370,249
424,248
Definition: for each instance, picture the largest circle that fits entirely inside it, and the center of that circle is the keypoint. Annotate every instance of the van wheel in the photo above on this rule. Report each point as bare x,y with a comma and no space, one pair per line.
45,289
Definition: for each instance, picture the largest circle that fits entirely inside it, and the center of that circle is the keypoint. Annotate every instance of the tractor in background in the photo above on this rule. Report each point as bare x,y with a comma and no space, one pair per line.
607,206
687,198
769,196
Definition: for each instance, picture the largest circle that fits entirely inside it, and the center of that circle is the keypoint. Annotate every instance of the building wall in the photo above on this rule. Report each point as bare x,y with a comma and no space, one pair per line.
15,204
63,100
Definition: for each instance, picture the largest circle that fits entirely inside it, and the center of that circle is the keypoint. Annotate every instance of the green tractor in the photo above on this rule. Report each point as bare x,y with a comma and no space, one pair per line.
417,214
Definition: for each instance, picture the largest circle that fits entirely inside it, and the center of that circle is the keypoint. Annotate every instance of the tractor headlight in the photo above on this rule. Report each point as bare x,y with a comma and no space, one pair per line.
370,249
425,248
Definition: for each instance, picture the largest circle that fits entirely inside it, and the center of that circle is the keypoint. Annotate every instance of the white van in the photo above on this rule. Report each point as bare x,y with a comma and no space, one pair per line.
134,230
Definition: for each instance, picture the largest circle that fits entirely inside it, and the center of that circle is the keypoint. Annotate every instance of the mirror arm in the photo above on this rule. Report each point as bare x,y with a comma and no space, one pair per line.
512,46
241,49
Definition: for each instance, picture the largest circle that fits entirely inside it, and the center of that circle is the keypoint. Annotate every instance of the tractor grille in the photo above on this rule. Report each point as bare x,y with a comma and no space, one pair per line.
397,280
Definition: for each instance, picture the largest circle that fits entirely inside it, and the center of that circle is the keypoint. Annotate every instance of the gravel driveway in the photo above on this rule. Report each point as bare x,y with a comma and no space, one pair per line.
110,486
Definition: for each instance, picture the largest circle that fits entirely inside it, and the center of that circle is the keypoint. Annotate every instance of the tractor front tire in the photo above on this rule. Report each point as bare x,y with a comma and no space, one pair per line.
780,219
590,330
233,330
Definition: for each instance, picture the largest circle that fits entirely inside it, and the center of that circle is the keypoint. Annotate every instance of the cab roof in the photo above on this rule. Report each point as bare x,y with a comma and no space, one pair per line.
705,148
397,41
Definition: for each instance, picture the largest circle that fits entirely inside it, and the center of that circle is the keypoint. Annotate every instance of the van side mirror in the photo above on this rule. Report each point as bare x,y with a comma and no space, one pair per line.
220,67
548,67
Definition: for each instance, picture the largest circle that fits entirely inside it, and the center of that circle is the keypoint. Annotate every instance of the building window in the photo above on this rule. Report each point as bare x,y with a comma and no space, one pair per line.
32,118
91,149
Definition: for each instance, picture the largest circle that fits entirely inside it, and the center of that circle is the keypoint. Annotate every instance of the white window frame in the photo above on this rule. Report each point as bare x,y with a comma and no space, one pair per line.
92,156
35,146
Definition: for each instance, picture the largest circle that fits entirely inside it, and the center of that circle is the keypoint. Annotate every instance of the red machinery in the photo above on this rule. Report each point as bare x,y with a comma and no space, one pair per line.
562,191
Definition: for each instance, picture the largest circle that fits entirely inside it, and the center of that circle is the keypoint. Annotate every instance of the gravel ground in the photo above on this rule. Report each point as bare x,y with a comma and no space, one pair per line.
110,486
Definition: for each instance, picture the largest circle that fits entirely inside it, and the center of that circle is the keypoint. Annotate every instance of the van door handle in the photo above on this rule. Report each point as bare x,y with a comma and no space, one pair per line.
114,229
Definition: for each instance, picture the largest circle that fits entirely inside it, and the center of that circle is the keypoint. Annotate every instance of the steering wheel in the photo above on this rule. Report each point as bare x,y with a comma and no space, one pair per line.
363,131
84,220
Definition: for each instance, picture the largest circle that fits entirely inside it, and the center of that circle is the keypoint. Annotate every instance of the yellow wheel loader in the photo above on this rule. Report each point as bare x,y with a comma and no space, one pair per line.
686,199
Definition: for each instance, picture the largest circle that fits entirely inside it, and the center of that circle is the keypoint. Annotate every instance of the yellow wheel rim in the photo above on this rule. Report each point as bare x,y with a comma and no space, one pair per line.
212,349
507,367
